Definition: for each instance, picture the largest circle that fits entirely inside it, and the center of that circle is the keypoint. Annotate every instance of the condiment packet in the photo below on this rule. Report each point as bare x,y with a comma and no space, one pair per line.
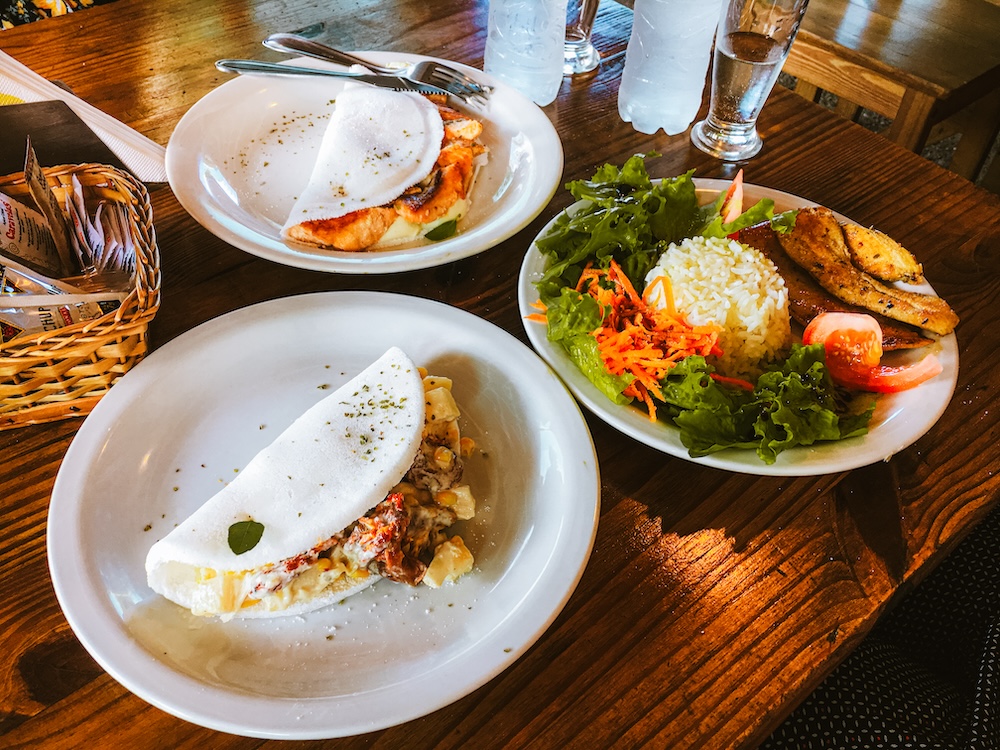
83,237
27,239
28,314
17,279
49,206
101,248
103,245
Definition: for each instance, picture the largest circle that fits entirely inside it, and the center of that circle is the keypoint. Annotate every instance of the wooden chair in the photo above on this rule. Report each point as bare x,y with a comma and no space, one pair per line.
931,66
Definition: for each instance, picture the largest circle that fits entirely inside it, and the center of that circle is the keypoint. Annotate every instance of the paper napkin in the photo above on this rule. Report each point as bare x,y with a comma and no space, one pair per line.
143,157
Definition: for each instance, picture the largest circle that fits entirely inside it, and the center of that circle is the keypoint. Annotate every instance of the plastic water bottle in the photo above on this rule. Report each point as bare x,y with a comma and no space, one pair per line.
524,46
666,63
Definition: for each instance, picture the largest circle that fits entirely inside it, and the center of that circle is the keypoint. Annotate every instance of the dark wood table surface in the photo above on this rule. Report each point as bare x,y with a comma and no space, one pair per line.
713,602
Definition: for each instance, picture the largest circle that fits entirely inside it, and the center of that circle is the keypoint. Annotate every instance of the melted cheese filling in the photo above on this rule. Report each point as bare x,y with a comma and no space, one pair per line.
403,230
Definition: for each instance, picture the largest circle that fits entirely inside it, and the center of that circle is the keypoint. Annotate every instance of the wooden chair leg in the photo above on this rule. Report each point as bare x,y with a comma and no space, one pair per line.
979,132
991,179
807,90
847,109
911,124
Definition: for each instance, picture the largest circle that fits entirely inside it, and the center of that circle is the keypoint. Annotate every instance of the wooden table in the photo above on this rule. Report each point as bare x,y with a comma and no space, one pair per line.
919,63
713,602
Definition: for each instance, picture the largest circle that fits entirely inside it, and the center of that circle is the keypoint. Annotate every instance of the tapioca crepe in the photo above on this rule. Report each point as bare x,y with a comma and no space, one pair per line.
377,144
277,539
392,167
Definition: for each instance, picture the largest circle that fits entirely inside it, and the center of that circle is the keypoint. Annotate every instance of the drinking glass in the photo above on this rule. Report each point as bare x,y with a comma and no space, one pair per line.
751,45
580,56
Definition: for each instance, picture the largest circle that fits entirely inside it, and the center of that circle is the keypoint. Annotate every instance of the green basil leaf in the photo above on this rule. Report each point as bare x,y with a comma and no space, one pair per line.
244,535
442,231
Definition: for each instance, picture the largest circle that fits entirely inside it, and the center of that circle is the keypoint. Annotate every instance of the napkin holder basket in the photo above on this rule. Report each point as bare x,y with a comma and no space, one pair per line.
63,373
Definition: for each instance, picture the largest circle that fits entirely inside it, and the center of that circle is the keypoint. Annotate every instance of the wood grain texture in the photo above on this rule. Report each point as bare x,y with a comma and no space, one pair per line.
917,63
713,602
938,48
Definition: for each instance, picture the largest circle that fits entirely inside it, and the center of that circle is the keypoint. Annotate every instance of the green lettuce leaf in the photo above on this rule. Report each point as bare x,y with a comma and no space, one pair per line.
571,318
585,355
761,211
572,314
797,404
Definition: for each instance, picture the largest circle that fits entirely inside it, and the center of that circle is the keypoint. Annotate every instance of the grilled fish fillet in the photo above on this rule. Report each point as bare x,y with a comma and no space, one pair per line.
878,254
817,244
807,299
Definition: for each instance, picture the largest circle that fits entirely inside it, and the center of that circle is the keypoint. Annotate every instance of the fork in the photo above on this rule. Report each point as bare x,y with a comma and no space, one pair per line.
427,71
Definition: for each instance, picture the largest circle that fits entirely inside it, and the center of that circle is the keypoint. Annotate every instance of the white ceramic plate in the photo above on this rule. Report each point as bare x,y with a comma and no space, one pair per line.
899,420
177,426
239,157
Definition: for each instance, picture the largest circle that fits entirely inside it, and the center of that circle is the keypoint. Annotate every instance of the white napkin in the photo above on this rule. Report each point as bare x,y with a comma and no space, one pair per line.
144,157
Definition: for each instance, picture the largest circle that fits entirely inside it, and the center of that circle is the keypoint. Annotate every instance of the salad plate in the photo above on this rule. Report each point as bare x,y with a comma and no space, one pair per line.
899,419
240,156
178,426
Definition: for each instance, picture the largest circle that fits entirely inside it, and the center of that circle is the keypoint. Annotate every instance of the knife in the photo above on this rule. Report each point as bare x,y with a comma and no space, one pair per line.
269,68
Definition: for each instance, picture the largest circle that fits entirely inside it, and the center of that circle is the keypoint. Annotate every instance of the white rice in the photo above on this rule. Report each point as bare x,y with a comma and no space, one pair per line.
734,286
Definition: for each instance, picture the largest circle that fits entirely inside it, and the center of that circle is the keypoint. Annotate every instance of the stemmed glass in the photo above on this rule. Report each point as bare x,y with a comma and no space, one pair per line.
580,56
751,45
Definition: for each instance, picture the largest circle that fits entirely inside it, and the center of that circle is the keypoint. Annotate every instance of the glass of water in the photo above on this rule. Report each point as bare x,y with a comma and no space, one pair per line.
580,56
751,45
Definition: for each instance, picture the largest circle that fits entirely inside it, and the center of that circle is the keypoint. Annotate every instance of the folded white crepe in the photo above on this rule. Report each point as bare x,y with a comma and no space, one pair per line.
378,143
326,470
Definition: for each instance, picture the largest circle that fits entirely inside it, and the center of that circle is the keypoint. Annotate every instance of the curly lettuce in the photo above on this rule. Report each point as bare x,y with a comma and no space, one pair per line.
796,404
629,218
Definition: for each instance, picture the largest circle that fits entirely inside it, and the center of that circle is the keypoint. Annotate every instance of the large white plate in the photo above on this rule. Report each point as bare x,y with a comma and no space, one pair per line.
239,157
177,426
899,420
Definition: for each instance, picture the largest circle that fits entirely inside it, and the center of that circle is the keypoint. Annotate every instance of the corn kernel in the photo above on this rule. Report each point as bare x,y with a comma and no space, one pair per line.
466,447
446,498
443,457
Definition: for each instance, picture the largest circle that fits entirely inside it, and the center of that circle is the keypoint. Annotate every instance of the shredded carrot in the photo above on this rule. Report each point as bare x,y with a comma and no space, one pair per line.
538,317
639,340
746,385
661,287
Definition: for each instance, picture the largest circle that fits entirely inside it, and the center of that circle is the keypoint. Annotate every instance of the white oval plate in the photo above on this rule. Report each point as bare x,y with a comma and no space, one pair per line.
240,156
900,419
179,425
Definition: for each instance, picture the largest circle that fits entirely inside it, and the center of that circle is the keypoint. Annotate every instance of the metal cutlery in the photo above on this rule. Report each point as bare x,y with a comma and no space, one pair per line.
426,72
396,83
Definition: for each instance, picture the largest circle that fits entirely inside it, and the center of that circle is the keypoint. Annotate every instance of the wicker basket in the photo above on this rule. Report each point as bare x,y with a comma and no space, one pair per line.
64,373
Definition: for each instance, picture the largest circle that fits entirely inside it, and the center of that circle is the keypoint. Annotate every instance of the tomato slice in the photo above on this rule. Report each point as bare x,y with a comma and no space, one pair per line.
853,345
884,378
732,204
854,337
